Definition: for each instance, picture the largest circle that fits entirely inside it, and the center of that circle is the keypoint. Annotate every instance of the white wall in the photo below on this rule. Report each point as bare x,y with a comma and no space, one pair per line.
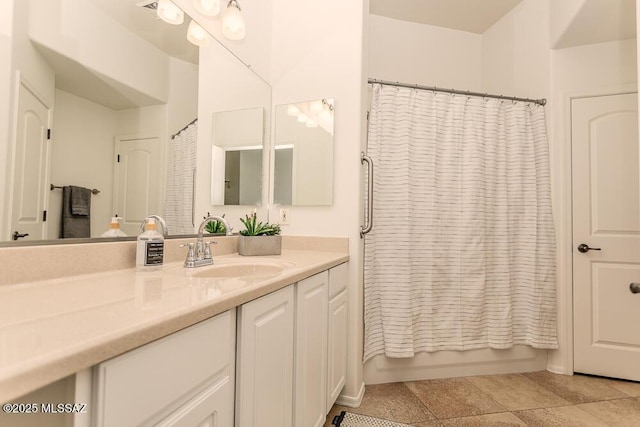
516,52
82,155
317,53
182,105
424,54
255,49
68,27
6,29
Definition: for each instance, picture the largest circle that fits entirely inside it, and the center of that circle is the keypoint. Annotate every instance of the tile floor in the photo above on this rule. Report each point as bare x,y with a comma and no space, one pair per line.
528,399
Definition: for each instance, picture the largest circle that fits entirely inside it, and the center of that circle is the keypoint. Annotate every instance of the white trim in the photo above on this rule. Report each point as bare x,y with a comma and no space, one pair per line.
351,401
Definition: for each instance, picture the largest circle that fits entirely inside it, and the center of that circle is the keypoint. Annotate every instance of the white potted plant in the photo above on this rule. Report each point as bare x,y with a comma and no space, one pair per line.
258,238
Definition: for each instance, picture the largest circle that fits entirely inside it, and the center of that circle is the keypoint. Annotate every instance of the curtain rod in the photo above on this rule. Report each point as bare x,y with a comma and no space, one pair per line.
184,128
459,92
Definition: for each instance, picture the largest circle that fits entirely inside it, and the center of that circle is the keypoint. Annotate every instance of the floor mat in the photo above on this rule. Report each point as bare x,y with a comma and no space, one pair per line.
347,419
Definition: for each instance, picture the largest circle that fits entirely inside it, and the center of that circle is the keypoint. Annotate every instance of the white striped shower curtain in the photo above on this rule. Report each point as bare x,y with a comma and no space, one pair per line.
181,164
462,251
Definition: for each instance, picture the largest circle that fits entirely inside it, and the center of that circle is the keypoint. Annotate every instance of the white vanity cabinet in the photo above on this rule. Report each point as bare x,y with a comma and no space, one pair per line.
264,380
186,378
291,363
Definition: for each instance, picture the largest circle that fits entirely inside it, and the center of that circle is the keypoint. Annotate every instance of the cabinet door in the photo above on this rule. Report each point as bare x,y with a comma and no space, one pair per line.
211,408
264,386
312,297
337,364
150,382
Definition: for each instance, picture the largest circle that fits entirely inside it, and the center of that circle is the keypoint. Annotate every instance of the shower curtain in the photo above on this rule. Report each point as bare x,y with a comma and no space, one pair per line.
462,251
181,164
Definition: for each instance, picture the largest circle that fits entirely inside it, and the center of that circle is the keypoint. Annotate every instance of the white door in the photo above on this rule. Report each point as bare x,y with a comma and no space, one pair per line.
139,181
606,236
337,348
264,363
31,173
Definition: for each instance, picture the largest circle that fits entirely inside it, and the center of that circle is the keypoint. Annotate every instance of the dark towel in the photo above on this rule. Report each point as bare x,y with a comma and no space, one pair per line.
75,225
80,201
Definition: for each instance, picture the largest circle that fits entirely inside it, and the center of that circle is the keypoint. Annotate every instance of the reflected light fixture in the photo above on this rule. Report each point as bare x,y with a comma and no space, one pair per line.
292,110
311,124
233,26
302,118
169,12
316,106
207,7
197,35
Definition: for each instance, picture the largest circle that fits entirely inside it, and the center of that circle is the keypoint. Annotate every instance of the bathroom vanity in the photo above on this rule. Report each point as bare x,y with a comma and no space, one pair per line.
233,341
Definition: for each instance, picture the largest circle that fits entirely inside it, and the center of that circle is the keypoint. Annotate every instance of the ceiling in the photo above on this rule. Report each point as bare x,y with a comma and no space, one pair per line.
475,16
172,39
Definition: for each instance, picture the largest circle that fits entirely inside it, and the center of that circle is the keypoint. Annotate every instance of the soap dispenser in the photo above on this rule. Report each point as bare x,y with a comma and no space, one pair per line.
150,247
114,229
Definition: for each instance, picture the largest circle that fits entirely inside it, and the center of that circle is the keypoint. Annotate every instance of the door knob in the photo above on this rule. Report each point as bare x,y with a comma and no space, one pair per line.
634,288
17,235
582,247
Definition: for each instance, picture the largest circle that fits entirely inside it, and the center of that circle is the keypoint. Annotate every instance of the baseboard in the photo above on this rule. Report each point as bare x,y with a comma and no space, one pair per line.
351,401
557,369
447,364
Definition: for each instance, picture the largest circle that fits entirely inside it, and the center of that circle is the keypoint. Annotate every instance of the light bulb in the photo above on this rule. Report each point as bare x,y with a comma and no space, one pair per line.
197,35
316,107
292,110
233,26
207,7
169,12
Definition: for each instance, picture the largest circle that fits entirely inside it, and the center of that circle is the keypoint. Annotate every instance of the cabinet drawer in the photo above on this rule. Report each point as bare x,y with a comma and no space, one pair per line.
137,386
338,278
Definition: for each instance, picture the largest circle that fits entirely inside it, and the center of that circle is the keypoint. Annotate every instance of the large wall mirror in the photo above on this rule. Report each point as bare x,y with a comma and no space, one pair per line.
303,156
130,103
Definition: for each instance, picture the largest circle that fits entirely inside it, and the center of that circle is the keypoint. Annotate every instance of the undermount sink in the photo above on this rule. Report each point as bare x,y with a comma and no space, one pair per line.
240,269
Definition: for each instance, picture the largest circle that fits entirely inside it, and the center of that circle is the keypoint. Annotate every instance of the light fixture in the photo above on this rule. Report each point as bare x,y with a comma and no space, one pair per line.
207,7
169,12
233,26
197,35
316,106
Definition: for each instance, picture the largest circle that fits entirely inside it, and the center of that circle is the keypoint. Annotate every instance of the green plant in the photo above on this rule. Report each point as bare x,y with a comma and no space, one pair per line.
255,228
215,227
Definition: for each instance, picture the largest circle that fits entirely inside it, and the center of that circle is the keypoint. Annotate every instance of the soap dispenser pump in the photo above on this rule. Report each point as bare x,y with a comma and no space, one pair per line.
114,229
150,247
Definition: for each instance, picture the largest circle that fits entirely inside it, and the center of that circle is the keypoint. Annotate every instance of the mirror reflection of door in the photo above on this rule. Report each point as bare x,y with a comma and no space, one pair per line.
138,173
30,167
236,166
283,175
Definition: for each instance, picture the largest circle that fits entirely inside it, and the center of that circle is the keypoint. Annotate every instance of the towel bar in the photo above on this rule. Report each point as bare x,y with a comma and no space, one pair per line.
94,191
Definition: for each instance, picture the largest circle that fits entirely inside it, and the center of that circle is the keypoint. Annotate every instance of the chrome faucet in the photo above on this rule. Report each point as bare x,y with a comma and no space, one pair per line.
165,230
200,254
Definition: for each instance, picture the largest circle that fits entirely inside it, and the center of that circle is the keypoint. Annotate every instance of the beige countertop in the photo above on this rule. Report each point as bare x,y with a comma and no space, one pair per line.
50,329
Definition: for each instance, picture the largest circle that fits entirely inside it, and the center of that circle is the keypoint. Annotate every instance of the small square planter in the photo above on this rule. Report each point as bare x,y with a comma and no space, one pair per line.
259,245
